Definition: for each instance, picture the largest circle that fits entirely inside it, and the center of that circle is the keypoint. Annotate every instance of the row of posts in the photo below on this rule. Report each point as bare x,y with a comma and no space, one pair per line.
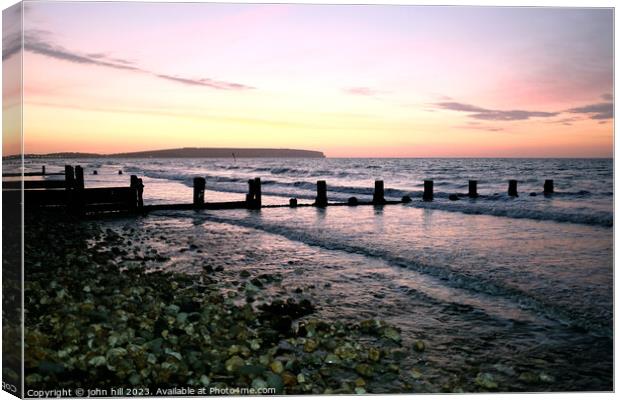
378,194
253,198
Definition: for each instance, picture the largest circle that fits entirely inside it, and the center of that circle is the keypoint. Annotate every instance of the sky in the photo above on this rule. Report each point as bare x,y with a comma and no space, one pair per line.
351,81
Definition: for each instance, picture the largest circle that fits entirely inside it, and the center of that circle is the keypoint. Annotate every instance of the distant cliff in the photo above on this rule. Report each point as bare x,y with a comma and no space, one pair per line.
194,152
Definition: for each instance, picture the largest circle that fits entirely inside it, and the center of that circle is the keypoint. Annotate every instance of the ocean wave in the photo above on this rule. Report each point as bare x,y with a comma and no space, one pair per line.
450,277
497,204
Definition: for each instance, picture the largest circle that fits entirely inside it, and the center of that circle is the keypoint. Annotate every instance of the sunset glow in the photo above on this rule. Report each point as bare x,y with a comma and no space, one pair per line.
351,81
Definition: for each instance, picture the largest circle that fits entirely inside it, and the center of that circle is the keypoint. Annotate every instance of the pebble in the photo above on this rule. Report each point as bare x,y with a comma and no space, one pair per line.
310,345
234,363
289,379
364,369
486,380
374,354
277,367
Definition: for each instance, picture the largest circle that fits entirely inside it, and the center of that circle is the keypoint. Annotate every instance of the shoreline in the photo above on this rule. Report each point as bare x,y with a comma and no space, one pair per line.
92,323
226,267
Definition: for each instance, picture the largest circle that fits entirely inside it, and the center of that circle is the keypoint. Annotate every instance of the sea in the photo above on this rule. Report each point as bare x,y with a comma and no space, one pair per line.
520,287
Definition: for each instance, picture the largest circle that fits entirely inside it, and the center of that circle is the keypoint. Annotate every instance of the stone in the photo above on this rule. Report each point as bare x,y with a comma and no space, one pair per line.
391,334
276,367
310,345
234,363
486,380
289,379
364,369
374,354
332,359
415,373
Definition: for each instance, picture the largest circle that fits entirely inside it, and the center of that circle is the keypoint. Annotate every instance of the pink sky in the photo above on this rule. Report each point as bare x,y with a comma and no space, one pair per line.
406,81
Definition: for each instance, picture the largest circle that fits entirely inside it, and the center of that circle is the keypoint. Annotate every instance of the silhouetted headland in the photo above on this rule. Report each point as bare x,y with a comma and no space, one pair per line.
193,152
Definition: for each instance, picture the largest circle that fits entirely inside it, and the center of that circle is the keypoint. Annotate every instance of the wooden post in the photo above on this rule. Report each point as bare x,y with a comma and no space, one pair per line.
321,194
548,187
473,189
77,195
292,202
428,191
257,193
254,197
69,177
95,172
378,195
249,198
120,172
43,170
140,191
136,183
79,177
199,191
512,188
352,201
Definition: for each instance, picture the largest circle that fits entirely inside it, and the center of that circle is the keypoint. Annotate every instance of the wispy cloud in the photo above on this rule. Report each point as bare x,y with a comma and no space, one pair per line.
205,82
361,91
487,114
607,97
35,42
599,111
480,127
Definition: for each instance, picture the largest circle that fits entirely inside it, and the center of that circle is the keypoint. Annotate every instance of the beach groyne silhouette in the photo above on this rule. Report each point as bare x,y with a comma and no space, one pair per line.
72,195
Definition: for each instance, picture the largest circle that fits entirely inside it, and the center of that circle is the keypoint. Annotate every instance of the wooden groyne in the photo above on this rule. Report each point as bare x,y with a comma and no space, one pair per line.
70,193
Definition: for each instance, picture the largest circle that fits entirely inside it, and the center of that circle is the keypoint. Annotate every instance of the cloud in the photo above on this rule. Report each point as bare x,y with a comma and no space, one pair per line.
599,111
205,82
11,45
479,127
486,114
34,42
361,91
607,96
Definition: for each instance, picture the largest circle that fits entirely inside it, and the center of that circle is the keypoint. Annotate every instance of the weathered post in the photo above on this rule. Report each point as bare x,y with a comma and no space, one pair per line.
428,191
199,191
136,183
120,172
352,201
473,189
69,177
140,192
258,193
512,188
79,177
548,187
292,202
95,172
321,194
249,198
378,194
254,197
43,170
